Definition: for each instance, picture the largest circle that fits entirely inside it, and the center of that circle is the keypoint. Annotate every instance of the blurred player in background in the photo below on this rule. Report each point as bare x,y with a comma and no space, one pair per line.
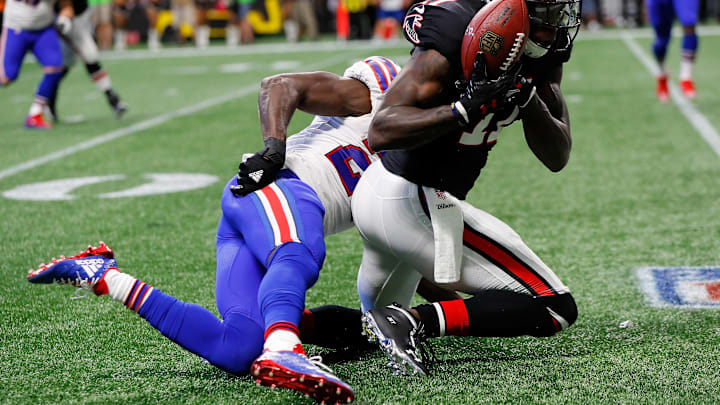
437,130
29,26
101,12
202,27
390,16
78,40
121,14
661,14
270,240
239,29
183,13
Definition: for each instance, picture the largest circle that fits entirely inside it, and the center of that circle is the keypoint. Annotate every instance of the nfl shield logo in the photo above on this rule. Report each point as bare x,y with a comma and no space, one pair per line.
681,287
491,42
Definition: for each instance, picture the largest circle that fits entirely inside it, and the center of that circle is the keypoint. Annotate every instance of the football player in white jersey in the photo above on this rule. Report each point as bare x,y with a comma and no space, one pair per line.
270,245
78,40
28,26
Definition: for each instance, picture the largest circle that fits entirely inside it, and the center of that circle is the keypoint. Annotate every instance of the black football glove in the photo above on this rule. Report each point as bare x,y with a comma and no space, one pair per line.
481,96
522,90
260,169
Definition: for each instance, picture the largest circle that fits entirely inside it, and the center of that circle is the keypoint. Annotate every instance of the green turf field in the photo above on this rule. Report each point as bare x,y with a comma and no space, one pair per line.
642,189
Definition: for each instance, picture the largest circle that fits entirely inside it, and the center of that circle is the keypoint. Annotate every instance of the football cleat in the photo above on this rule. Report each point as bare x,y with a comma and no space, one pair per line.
118,106
662,92
688,89
37,121
85,270
309,376
399,336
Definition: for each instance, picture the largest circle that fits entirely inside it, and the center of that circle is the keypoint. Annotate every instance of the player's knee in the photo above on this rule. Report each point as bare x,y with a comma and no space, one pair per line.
241,344
299,257
562,313
8,78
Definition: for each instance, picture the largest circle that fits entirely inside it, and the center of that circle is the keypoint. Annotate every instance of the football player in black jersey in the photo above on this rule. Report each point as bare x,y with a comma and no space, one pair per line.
436,130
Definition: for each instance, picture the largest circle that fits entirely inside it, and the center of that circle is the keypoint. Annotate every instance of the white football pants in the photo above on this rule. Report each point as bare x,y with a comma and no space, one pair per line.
399,246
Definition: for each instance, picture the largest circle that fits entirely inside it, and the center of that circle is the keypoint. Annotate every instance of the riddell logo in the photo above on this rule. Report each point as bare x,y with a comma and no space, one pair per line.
391,320
443,206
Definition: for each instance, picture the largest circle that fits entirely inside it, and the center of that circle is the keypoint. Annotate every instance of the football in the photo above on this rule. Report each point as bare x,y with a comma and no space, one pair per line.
499,30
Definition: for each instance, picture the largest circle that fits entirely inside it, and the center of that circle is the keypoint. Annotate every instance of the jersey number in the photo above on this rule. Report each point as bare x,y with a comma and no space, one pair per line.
488,130
350,162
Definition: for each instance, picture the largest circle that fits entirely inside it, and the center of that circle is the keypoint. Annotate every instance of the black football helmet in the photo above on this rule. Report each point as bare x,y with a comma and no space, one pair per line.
561,18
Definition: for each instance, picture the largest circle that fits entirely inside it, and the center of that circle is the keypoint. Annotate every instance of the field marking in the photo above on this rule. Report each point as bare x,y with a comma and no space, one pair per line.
695,117
149,123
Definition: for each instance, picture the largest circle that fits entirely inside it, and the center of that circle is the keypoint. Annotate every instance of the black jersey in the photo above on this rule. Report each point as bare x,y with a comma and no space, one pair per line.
451,162
447,163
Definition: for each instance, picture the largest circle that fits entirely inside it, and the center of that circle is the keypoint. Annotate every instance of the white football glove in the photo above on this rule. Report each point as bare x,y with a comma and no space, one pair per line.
63,24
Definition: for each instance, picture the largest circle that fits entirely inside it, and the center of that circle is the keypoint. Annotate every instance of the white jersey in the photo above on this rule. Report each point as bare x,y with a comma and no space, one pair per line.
331,154
29,15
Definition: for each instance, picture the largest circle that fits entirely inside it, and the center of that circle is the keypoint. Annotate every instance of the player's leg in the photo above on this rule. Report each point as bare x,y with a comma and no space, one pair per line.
68,58
661,16
283,227
230,345
202,28
13,46
84,44
103,18
514,292
47,51
687,13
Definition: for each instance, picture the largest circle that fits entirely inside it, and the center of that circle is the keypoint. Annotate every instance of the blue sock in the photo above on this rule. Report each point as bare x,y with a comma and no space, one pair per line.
48,85
689,45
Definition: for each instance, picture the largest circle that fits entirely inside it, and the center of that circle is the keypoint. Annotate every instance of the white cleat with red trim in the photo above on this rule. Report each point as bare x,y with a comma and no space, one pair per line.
309,376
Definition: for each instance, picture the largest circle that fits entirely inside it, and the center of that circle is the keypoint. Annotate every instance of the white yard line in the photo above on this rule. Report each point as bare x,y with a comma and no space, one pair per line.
695,117
153,122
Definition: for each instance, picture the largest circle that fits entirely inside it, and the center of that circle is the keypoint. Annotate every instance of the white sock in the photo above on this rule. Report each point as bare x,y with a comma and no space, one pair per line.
662,71
281,340
292,30
686,68
102,81
127,289
153,39
231,35
36,107
120,40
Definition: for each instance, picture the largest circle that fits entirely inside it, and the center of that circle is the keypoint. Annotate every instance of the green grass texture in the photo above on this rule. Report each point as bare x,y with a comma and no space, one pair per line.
642,188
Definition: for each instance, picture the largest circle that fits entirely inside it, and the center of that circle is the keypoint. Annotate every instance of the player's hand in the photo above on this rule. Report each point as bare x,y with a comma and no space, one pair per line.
260,169
63,24
481,96
522,89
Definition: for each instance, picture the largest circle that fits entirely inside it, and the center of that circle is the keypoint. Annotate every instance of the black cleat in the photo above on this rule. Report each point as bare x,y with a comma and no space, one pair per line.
118,106
399,336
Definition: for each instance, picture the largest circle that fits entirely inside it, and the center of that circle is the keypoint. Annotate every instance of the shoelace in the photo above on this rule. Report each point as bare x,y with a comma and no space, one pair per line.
420,340
317,362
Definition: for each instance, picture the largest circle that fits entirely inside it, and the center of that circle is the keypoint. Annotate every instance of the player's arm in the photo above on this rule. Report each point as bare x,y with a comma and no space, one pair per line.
403,120
66,12
319,93
546,122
